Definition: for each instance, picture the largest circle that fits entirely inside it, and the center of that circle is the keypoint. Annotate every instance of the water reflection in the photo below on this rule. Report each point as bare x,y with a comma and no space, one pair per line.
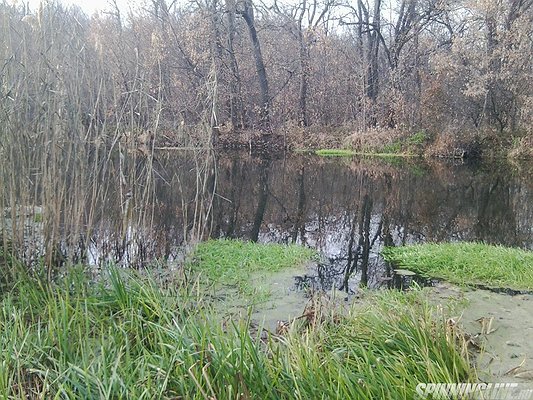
350,209
347,209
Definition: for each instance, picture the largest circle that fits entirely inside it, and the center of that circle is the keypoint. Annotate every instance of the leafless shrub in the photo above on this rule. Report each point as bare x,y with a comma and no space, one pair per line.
373,140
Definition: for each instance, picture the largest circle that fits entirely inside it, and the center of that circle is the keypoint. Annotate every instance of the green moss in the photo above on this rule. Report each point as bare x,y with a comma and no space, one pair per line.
467,263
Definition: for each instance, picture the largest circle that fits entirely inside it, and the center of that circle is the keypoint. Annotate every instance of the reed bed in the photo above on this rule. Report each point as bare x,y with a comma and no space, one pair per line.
78,128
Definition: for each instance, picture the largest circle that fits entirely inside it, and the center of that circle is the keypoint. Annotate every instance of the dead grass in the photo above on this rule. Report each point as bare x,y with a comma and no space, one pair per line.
522,148
316,137
454,145
374,140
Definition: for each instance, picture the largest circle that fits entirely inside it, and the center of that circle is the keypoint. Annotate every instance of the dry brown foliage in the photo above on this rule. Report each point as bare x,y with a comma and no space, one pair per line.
373,140
523,149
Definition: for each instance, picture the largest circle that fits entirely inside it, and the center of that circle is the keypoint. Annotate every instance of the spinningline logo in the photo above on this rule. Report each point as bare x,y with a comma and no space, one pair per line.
485,391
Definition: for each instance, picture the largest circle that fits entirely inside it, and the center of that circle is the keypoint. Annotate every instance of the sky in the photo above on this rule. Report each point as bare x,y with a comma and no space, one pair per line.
90,6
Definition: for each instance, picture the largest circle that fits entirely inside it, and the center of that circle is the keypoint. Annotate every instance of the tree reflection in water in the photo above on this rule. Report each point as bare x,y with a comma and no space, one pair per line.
350,209
347,209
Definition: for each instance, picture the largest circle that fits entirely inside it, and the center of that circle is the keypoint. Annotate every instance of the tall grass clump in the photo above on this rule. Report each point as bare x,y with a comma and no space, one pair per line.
78,127
130,337
467,263
380,350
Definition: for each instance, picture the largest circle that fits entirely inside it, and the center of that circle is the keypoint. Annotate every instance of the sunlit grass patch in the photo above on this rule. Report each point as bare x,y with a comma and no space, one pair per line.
243,264
351,153
467,263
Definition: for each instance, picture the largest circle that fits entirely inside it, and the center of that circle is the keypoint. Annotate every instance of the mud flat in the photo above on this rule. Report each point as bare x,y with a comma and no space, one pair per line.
501,330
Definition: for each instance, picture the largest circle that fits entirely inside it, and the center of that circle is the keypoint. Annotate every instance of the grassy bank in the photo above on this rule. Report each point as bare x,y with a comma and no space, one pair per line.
131,337
394,142
379,143
467,263
335,153
352,153
245,266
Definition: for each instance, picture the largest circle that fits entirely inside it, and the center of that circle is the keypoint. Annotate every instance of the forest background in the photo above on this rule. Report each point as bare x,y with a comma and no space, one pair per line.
457,73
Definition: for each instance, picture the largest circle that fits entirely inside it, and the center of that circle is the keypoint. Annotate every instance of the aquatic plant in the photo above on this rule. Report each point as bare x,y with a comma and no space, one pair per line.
467,263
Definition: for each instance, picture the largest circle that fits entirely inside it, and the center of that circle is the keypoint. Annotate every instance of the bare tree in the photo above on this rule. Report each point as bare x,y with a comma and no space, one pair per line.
247,13
236,102
303,20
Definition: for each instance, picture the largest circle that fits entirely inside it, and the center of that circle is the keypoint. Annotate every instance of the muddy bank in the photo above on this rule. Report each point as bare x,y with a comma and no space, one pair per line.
501,329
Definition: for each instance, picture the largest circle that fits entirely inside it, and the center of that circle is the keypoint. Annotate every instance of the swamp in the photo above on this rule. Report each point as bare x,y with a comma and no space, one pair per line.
266,200
290,246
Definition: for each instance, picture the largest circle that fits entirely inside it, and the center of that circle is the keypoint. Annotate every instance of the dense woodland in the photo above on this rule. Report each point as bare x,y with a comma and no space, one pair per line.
451,68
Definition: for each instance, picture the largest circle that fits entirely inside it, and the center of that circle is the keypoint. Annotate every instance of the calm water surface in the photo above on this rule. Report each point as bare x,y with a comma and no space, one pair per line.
348,209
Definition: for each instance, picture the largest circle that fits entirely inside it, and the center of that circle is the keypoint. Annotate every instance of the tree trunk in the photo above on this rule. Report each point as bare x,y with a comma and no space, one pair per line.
236,103
304,79
489,105
373,53
264,115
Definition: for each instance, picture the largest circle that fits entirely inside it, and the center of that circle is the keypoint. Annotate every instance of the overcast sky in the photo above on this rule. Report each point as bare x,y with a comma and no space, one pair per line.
90,6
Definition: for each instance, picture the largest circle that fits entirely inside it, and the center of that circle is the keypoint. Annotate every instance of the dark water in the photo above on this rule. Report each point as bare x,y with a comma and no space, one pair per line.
348,209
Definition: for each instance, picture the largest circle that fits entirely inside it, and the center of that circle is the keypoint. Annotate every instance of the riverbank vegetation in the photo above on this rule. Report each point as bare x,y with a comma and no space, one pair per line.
467,263
246,266
88,99
335,153
316,73
123,335
382,144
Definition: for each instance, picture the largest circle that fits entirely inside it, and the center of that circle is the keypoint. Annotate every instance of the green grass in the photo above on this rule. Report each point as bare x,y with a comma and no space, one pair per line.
467,263
410,146
245,265
335,153
392,148
387,152
129,337
417,139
